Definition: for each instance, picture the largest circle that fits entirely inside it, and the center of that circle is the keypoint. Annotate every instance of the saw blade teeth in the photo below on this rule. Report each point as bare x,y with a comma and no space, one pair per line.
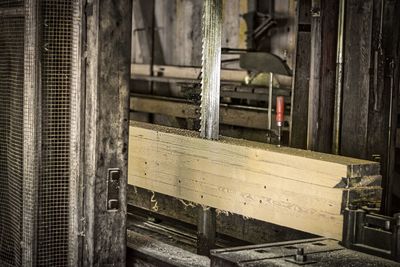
210,69
203,17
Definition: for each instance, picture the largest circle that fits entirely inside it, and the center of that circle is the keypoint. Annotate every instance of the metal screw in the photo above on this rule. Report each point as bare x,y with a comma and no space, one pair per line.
300,256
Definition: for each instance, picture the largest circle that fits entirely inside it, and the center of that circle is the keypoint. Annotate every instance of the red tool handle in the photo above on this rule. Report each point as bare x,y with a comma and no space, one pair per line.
280,110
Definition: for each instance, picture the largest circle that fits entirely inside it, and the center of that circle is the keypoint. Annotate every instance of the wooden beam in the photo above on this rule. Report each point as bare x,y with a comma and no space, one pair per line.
301,77
244,117
106,132
184,72
295,188
180,109
370,84
356,79
234,225
321,100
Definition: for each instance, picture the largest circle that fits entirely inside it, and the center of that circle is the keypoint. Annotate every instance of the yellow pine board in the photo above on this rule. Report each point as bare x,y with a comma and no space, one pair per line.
233,189
286,186
239,165
290,215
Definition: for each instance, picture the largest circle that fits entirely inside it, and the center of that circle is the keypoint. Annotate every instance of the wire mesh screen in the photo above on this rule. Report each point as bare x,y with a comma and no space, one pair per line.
11,3
54,175
11,139
39,132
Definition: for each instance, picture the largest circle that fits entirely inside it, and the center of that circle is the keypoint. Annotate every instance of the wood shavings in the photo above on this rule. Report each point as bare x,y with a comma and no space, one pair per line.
224,212
189,204
153,200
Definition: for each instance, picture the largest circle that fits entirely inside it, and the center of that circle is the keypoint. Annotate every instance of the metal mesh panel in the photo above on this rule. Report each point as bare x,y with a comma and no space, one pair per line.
39,132
54,177
11,139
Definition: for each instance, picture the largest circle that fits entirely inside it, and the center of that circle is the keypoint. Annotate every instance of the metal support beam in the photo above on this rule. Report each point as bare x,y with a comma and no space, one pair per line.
339,80
206,229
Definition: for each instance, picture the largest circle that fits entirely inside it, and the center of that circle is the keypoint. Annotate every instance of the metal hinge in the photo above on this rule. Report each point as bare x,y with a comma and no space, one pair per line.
83,227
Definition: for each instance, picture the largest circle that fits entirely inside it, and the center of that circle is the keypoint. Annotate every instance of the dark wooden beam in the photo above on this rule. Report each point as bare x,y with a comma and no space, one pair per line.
356,80
324,25
370,89
391,47
149,38
301,73
106,130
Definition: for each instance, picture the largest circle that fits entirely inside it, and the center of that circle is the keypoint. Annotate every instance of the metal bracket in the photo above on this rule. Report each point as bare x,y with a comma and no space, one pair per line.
113,186
371,233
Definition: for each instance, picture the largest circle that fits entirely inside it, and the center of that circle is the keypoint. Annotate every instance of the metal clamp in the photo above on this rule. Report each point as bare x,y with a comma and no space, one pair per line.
371,233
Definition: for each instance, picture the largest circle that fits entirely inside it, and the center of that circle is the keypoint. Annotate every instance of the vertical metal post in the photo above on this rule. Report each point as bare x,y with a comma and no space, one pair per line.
339,79
315,71
206,229
152,52
210,94
390,145
270,106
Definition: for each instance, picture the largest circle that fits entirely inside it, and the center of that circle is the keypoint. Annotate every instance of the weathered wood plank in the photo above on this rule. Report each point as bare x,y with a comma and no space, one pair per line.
356,80
108,28
250,118
322,75
184,72
234,225
290,187
299,110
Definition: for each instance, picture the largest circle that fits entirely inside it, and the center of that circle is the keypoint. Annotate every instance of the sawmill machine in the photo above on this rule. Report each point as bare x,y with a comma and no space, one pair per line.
66,189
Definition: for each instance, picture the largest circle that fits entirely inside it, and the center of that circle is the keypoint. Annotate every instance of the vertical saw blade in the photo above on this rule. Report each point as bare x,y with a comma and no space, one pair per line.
211,68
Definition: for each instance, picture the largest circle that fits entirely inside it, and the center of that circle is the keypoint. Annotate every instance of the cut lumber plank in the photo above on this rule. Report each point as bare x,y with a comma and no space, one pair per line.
185,72
182,74
295,188
256,118
398,138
